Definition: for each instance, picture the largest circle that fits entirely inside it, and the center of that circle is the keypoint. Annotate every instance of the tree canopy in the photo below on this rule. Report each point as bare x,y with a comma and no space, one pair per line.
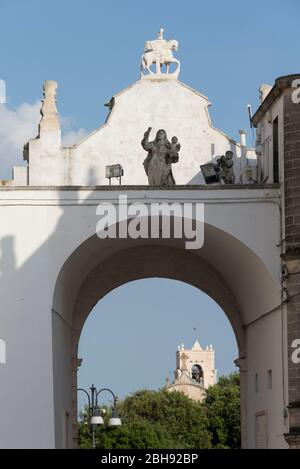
223,412
170,420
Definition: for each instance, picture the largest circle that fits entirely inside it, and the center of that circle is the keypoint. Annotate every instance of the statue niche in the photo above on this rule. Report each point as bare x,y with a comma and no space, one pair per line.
161,155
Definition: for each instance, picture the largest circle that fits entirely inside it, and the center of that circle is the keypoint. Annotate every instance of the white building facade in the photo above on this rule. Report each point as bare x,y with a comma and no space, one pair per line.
54,268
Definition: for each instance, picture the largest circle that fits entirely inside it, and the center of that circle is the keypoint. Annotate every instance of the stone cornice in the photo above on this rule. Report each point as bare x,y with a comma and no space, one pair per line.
133,188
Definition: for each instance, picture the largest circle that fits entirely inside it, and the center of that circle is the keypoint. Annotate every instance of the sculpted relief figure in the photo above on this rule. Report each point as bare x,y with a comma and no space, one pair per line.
264,90
225,168
160,52
161,155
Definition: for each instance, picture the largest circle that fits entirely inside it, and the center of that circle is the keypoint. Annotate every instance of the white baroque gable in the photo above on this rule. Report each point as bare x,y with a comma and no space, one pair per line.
167,104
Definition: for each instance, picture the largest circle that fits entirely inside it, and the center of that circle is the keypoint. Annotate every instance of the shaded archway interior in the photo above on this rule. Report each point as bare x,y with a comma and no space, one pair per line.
150,261
224,269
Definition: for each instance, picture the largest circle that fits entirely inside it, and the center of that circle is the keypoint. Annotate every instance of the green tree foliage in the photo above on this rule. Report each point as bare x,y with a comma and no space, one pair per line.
177,421
162,420
223,411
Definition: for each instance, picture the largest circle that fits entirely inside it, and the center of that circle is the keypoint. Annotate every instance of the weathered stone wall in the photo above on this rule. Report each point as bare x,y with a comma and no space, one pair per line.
292,169
190,390
292,257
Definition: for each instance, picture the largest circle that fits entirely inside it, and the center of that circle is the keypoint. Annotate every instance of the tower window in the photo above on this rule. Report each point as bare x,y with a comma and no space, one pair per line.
270,379
197,374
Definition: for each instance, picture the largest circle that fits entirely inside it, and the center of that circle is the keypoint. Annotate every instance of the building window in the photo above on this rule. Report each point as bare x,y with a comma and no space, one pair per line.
2,351
269,379
256,383
261,430
275,151
266,159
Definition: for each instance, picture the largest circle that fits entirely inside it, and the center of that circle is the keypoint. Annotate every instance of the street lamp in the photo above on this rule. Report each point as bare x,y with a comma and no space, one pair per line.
97,418
94,415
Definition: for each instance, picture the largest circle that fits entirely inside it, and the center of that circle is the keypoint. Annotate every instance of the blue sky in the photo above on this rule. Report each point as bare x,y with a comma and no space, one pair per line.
92,49
131,337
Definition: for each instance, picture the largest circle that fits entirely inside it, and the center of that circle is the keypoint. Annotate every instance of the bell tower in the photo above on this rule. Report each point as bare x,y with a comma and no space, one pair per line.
195,371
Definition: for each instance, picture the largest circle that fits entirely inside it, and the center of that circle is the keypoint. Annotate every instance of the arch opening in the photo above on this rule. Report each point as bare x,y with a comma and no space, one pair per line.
131,339
138,328
224,269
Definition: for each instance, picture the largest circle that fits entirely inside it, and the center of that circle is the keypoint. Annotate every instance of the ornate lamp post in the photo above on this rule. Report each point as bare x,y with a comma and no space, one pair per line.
95,417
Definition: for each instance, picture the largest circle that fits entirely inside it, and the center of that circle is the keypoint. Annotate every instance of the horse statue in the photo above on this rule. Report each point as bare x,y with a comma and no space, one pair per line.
160,52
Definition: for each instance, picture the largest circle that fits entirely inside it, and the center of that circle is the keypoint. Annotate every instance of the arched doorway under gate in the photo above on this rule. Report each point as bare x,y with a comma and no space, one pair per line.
225,269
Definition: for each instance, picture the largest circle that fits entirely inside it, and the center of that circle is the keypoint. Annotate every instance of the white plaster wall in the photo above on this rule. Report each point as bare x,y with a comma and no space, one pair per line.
265,347
26,390
268,337
42,228
267,134
62,357
171,105
20,175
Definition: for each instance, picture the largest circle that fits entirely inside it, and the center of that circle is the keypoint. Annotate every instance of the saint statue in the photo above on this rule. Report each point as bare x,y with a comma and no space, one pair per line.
225,168
161,155
159,51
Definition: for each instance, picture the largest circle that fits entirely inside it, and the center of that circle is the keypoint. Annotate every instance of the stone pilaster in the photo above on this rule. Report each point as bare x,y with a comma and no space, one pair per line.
241,363
76,362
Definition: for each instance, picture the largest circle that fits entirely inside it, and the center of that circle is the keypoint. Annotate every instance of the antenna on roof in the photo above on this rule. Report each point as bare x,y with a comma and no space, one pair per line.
250,115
